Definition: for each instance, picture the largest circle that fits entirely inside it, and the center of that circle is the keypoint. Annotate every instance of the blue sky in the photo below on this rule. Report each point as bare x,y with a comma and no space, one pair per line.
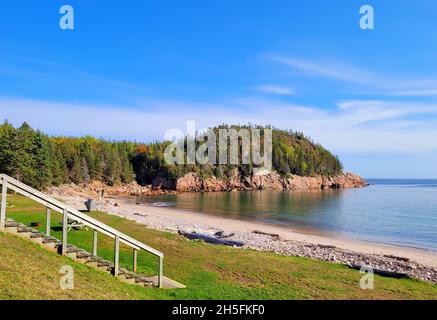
132,70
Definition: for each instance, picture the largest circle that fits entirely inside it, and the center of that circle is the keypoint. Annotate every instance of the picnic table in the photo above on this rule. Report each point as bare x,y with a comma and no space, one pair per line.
75,224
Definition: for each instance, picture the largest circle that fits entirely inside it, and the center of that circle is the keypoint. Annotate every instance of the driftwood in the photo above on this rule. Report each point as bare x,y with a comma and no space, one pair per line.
397,258
385,273
210,239
139,214
221,235
326,246
273,235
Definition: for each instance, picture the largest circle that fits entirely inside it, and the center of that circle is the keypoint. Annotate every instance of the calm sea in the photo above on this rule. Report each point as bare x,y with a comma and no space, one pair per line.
393,211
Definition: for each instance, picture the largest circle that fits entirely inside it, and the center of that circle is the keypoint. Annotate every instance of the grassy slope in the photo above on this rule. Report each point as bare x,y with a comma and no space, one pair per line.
210,272
27,271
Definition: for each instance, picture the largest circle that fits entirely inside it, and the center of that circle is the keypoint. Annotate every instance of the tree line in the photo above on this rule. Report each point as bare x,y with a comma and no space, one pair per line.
40,160
292,153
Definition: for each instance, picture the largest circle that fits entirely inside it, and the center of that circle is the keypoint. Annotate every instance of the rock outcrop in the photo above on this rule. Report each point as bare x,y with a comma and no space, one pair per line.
191,182
94,190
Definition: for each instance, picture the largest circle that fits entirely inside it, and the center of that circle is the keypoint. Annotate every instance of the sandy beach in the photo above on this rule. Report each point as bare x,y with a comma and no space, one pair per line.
256,235
211,224
179,219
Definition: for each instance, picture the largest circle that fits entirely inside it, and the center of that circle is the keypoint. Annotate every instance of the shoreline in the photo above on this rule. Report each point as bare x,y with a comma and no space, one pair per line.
414,262
302,230
424,256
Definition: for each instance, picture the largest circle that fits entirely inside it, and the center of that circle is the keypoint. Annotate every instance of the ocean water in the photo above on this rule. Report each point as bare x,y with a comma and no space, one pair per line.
392,211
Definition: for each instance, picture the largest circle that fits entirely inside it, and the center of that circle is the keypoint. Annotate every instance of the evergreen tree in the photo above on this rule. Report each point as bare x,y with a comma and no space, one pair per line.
76,171
7,149
84,172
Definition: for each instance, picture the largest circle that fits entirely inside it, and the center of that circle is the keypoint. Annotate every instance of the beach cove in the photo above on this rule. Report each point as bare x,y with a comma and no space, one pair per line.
257,235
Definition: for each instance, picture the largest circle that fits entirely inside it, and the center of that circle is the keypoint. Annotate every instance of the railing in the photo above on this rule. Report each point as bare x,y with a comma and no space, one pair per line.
74,214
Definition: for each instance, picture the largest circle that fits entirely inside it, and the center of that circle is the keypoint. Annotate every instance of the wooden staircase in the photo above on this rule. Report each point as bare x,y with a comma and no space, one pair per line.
80,255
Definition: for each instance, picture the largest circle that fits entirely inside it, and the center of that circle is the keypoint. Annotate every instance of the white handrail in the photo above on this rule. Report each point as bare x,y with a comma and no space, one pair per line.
58,206
83,218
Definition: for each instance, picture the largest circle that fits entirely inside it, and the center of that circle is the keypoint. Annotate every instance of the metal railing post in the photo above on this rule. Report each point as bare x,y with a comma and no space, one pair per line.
3,204
64,232
116,256
94,243
135,260
160,274
48,220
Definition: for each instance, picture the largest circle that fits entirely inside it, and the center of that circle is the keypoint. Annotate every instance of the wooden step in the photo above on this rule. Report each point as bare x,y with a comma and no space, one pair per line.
127,276
82,254
49,243
34,235
91,261
48,239
23,229
9,224
87,258
105,266
144,281
72,249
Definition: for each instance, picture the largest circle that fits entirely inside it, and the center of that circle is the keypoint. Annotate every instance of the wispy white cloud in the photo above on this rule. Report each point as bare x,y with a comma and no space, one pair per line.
372,111
417,93
60,76
327,68
275,89
378,82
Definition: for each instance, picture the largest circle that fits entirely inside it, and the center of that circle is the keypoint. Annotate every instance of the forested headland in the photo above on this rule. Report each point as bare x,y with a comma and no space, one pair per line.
40,160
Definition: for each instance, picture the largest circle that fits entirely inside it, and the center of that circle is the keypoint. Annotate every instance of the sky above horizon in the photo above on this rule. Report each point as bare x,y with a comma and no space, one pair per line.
132,70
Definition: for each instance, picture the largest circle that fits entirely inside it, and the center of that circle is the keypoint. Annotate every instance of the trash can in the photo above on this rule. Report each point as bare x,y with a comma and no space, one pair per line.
91,205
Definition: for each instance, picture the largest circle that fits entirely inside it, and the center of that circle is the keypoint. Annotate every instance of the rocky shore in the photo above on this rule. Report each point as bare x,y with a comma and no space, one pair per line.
262,181
394,261
191,182
95,188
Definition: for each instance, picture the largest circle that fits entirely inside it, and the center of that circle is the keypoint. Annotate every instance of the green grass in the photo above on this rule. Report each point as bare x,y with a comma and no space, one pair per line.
208,271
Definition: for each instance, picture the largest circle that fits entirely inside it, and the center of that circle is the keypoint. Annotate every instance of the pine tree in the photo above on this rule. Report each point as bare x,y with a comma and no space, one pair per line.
76,171
7,150
42,161
84,173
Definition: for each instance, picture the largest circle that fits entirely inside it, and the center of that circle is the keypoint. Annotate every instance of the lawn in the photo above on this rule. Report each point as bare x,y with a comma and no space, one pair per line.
208,271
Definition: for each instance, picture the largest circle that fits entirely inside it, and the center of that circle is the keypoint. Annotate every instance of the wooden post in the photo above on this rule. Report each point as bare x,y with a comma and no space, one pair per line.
135,260
64,232
3,204
160,271
116,256
48,214
94,243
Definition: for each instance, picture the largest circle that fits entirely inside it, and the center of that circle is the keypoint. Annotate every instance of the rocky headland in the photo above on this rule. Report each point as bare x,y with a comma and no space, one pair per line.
191,182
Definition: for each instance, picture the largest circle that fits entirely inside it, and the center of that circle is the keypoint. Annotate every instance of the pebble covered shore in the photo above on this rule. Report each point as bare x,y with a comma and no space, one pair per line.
264,242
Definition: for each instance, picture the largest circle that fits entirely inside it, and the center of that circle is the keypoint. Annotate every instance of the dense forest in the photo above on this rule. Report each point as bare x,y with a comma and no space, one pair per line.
40,160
